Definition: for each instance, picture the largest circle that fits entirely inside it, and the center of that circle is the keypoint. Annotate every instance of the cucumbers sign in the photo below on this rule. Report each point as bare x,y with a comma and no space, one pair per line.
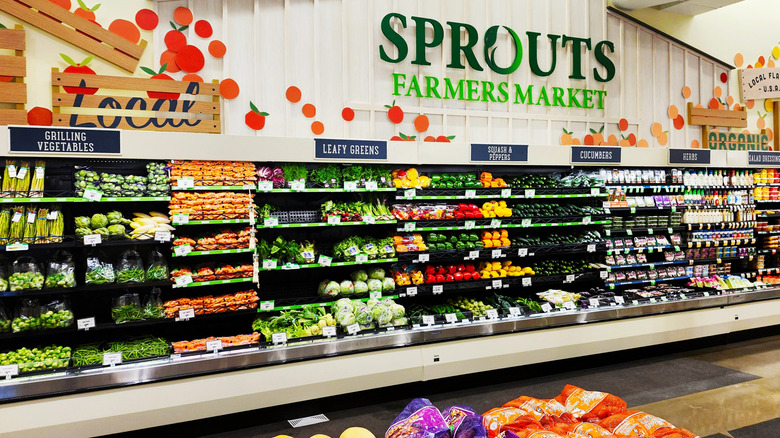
416,30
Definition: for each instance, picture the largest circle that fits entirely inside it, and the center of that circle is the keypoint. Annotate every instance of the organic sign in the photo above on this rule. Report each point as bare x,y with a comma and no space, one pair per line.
350,149
499,153
760,83
505,91
25,139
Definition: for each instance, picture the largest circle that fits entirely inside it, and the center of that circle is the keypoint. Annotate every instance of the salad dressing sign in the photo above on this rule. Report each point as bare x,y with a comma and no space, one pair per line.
350,149
49,140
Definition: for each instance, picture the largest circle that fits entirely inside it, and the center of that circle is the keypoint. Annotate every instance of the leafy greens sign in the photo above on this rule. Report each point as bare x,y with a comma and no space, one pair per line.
476,90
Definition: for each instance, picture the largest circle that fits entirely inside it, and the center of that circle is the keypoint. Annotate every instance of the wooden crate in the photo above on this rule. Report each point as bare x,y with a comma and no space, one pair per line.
15,66
139,111
707,118
76,30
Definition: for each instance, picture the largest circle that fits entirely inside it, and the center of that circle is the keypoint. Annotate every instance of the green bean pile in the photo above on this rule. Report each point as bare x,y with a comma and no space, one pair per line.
135,349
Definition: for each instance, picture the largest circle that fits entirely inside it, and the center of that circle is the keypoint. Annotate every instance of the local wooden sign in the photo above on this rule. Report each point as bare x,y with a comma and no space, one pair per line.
58,21
13,69
759,83
155,104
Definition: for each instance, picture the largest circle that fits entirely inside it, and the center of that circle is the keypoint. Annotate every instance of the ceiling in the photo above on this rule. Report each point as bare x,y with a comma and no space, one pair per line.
682,7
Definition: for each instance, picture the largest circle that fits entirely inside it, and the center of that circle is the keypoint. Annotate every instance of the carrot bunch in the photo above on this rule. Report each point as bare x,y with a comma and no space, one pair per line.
214,173
207,272
209,304
211,205
225,239
227,341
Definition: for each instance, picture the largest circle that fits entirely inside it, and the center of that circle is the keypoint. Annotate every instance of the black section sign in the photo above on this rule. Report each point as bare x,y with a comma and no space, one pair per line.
763,158
50,140
689,156
350,149
499,152
595,154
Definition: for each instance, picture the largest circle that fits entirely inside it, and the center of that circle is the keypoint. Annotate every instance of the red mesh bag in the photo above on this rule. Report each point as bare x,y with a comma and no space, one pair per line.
590,405
636,423
537,407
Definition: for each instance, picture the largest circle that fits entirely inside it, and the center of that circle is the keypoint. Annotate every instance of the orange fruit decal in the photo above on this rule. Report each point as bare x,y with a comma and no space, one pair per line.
228,89
421,123
254,118
168,58
686,91
203,29
317,128
739,60
66,4
348,114
402,137
695,144
309,111
714,103
394,113
175,39
566,139
717,92
126,30
293,94
673,112
623,124
147,19
761,122
192,77
656,129
190,59
643,143
217,49
86,12
80,68
443,139
679,122
724,77
164,77
430,139
39,116
182,16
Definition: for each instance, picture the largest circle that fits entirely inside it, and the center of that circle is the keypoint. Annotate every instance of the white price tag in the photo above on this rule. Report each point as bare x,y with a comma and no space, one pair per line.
162,236
85,323
514,311
369,219
353,329
410,226
297,186
267,305
451,318
569,305
272,221
372,185
595,191
664,299
495,223
279,338
619,299
21,173
377,295
530,193
471,194
603,275
93,239
525,223
111,359
410,193
181,219
474,254
52,215
269,264
592,247
361,258
290,266
546,308
428,320
185,183
8,371
324,260
329,331
92,195
411,291
469,225
182,250
522,252
526,281
265,186
438,289
594,302
497,284
506,193
350,186
17,247
16,217
183,280
334,220
186,314
492,314
422,258
649,231
496,253
569,278
214,345
12,171
30,217
653,300
706,294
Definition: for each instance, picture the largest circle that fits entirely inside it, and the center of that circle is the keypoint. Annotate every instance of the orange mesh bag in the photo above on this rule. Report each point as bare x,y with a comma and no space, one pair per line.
537,407
590,405
559,425
495,418
588,430
675,432
635,422
522,426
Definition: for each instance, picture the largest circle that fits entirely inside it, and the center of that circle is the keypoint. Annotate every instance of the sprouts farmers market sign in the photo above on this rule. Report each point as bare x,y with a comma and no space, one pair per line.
434,87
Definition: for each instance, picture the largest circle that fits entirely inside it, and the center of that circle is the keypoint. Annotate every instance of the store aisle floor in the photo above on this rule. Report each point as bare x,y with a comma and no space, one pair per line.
730,390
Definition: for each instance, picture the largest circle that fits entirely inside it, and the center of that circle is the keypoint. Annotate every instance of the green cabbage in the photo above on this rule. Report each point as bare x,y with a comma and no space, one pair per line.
374,285
331,290
398,311
341,303
347,287
400,321
373,302
363,316
388,284
99,221
376,273
346,319
359,276
361,287
381,314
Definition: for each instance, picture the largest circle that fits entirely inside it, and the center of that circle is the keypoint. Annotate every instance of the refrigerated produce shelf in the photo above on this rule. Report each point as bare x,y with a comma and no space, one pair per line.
294,266
657,280
324,224
212,282
506,251
215,252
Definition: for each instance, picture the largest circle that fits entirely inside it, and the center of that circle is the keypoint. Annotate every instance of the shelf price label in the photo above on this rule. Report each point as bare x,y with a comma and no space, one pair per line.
265,186
451,318
569,279
592,247
329,331
361,258
182,250
410,226
353,329
272,221
594,302
587,220
368,219
85,323
514,311
506,193
595,191
269,264
162,236
186,182
422,258
183,280
324,260
411,291
111,359
492,314
185,314
350,186
495,223
181,219
376,295
92,195
525,223
17,247
297,186
603,275
471,194
372,186
469,225
428,319
8,371
496,253
438,289
619,299
214,345
497,284
410,193
474,254
569,305
522,252
526,281
267,305
279,338
530,193
334,220
93,239
546,308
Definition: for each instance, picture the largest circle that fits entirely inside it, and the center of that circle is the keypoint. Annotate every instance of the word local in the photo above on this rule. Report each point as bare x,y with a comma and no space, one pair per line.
763,77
